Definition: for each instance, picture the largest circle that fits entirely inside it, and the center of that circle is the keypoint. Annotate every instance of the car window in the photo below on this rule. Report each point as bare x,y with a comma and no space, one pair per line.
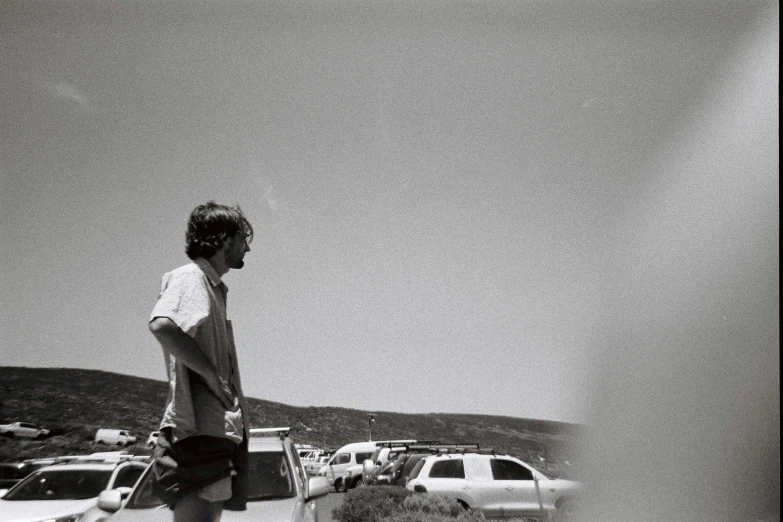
341,458
416,468
143,496
297,465
127,476
269,476
509,470
450,468
361,457
385,468
61,484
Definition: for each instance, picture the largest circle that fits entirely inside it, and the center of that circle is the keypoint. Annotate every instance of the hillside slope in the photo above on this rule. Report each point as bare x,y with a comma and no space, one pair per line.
74,403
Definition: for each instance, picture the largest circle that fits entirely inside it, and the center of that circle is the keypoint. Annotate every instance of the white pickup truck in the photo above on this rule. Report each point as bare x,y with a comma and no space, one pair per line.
23,429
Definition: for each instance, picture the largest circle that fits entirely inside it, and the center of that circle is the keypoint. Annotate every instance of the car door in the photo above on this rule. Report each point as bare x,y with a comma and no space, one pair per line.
487,497
127,475
338,465
516,483
447,475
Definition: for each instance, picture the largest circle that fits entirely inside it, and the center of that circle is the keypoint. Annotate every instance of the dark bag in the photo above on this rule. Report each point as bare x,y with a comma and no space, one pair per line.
190,464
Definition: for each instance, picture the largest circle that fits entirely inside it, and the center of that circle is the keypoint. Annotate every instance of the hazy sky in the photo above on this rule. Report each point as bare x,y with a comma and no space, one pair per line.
440,190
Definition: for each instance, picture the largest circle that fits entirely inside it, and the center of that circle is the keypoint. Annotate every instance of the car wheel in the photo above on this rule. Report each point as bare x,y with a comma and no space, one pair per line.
339,486
564,511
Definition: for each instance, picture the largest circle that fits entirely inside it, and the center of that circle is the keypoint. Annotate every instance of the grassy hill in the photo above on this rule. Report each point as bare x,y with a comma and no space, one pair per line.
74,403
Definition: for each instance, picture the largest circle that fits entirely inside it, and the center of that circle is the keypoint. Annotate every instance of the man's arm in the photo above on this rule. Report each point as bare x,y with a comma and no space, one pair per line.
186,350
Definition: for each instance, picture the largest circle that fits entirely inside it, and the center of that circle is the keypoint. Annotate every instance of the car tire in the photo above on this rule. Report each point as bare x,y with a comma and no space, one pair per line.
339,486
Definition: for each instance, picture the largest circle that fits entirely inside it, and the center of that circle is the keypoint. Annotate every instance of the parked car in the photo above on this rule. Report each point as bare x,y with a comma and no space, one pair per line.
401,472
306,451
350,455
382,475
65,491
13,472
280,490
312,466
356,474
23,429
497,486
403,462
313,458
114,437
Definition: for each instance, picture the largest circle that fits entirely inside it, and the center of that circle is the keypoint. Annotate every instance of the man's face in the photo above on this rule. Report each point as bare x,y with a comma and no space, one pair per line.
237,248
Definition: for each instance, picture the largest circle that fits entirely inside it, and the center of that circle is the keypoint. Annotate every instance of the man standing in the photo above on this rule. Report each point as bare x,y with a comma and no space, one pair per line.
201,457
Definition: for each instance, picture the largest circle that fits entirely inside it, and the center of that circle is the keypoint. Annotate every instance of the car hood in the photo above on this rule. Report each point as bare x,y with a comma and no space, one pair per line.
263,510
32,510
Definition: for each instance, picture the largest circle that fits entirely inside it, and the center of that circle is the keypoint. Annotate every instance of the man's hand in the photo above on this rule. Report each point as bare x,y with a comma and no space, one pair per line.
175,341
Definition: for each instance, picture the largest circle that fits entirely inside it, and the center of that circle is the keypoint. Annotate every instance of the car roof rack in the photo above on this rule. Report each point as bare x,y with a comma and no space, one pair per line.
270,432
400,442
468,447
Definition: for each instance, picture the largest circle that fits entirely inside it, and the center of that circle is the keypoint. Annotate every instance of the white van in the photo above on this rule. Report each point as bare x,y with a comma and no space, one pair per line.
349,455
114,437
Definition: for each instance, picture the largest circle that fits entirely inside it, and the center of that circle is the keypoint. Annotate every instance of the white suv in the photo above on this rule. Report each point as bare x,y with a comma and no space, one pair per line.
496,485
65,491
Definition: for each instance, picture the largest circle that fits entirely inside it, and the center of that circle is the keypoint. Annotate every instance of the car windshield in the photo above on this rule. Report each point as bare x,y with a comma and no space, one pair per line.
61,484
269,477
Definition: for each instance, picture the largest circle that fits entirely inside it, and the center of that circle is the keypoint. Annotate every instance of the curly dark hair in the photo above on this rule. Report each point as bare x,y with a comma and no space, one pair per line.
211,225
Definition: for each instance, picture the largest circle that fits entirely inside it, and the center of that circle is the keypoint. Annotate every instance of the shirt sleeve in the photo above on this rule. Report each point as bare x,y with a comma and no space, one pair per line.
184,300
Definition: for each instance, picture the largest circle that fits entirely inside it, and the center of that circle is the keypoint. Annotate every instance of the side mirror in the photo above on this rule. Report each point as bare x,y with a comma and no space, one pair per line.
318,487
110,500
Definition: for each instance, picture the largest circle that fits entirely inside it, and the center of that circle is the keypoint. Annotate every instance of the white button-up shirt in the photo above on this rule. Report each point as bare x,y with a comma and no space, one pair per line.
194,298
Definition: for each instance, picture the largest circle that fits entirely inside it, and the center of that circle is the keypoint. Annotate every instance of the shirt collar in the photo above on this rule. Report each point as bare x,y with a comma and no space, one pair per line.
210,272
